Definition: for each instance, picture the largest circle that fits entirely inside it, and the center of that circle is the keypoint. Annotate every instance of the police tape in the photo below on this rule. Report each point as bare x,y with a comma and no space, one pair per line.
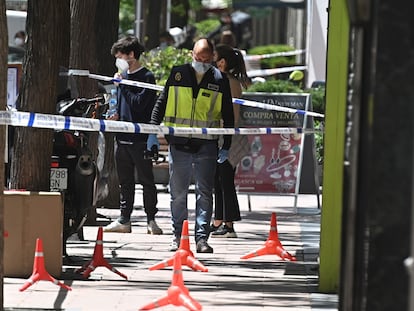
239,101
127,82
276,54
269,106
57,122
270,72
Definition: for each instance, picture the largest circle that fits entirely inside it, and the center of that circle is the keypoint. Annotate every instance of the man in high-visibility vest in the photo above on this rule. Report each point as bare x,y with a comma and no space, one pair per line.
195,95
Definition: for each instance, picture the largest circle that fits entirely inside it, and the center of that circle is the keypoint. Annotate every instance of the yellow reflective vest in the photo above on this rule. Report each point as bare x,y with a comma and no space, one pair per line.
195,105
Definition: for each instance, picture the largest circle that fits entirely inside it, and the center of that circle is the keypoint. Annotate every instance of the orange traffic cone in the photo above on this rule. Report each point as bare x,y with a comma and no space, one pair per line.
98,260
187,256
272,245
39,270
177,294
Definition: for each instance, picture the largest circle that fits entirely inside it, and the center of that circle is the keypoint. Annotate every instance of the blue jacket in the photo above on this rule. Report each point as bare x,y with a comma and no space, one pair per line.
135,104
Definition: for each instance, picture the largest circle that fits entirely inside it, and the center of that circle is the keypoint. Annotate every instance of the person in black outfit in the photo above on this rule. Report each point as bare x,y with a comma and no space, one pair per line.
226,206
135,104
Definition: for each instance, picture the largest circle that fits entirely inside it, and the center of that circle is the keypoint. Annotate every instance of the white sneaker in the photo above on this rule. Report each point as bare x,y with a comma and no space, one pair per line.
116,226
175,244
153,228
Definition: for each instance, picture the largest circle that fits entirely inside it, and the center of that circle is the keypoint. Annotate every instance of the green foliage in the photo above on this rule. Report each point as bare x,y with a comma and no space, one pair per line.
126,15
318,105
274,62
319,125
275,86
318,98
160,62
284,86
206,26
178,9
195,5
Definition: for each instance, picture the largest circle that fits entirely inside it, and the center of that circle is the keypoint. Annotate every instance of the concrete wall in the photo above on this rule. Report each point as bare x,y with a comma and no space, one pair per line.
318,41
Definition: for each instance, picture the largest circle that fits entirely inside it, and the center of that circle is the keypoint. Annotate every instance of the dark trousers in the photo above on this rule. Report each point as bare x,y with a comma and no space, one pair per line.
128,159
226,205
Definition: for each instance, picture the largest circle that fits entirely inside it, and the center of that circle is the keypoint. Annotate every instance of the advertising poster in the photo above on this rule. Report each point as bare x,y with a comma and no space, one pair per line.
11,87
13,79
273,164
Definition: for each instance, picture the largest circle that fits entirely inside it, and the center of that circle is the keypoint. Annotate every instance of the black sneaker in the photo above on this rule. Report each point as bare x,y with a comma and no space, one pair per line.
224,232
203,247
213,228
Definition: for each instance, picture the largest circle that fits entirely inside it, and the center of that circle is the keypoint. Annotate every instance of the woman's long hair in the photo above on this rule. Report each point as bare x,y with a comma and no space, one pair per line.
235,65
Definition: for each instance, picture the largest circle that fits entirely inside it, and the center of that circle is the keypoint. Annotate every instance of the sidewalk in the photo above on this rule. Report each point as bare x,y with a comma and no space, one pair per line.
260,283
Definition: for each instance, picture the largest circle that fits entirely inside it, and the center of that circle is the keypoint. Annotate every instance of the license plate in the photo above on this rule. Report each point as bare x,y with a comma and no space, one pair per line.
58,179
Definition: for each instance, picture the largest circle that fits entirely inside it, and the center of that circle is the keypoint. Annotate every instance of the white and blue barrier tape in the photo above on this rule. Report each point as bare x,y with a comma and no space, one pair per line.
57,122
85,73
270,72
262,56
250,103
80,72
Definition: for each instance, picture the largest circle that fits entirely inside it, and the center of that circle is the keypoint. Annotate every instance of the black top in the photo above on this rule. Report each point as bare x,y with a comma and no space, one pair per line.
135,104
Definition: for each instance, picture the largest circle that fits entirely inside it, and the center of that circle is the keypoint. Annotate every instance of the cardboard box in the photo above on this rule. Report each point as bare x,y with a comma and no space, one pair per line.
28,216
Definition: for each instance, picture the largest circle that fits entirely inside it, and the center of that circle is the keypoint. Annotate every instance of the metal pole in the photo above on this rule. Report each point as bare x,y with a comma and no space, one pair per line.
168,18
138,18
409,261
309,12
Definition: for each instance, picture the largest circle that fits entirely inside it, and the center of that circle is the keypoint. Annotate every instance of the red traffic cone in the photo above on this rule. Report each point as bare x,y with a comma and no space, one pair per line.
272,245
177,294
98,260
39,270
187,256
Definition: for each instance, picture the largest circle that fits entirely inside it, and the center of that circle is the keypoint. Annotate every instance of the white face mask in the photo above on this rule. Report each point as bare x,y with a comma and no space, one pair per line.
19,42
121,64
200,67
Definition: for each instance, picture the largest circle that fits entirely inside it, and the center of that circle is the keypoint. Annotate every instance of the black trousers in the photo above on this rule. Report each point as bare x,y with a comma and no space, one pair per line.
128,159
226,204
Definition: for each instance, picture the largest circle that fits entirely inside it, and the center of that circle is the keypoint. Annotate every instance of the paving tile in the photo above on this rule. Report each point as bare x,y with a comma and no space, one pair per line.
231,283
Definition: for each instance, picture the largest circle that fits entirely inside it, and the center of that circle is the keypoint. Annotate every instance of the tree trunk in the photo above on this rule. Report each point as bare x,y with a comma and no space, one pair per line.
30,167
83,47
107,22
3,99
152,24
106,26
83,56
155,16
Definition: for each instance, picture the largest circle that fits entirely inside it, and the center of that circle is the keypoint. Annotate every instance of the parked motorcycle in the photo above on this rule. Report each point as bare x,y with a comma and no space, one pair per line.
74,171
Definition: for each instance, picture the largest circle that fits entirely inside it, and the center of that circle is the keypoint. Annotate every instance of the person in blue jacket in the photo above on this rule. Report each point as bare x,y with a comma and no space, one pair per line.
135,104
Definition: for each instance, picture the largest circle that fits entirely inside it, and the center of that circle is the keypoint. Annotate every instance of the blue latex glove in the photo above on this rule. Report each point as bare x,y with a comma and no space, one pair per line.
151,141
223,155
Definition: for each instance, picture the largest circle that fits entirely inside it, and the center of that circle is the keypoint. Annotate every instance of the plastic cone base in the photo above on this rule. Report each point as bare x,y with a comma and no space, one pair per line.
272,246
98,259
187,256
177,293
39,270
